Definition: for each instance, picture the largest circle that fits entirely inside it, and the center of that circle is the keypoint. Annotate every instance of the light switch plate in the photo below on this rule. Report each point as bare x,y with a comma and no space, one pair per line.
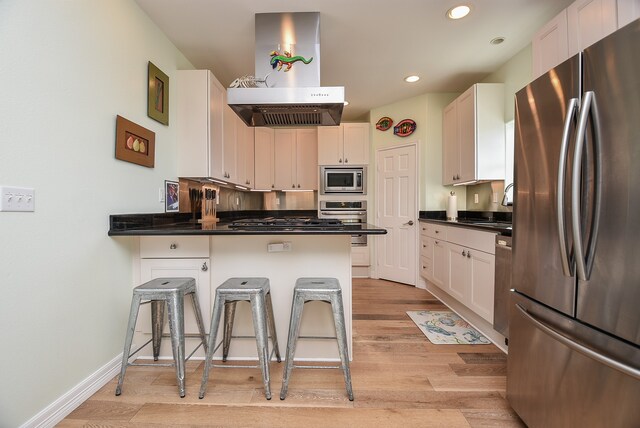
17,199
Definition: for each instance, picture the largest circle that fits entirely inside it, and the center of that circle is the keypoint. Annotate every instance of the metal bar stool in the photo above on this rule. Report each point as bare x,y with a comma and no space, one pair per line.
257,292
158,292
317,289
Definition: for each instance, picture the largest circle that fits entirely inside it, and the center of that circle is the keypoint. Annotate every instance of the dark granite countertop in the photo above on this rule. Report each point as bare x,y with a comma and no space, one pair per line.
184,224
487,221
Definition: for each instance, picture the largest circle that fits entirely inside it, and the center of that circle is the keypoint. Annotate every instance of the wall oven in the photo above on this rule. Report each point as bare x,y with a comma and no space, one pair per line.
353,215
343,179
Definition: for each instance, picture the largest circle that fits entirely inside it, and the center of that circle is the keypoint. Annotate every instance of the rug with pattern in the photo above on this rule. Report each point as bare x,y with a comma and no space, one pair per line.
445,327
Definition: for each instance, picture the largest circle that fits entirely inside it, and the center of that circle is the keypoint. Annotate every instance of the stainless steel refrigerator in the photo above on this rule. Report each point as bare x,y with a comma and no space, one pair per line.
574,343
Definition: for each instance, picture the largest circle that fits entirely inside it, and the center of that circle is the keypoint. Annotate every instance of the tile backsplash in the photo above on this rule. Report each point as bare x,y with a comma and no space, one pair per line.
487,194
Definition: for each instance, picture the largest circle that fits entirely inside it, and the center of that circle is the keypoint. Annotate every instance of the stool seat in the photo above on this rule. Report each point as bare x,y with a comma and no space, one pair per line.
317,289
161,292
255,290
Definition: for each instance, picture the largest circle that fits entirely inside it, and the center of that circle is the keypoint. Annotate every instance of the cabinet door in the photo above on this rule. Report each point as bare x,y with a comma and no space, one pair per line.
440,264
249,154
264,159
550,45
174,268
482,282
307,159
229,145
426,257
330,145
589,21
245,153
628,11
458,270
466,105
356,143
450,144
285,161
216,125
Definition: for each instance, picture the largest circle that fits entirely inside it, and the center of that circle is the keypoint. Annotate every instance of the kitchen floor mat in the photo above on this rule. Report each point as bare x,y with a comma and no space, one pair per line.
445,327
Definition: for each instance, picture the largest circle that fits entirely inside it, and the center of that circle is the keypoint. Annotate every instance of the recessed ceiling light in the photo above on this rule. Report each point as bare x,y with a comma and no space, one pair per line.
411,79
346,103
458,12
497,40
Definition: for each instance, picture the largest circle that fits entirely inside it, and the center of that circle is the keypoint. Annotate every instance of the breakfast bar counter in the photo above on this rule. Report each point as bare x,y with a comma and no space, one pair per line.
174,245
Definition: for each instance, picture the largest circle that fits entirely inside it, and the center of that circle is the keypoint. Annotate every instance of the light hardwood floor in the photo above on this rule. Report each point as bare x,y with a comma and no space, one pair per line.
399,379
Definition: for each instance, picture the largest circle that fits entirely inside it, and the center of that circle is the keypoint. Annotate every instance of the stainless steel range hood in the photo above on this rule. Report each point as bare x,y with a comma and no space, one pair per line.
288,55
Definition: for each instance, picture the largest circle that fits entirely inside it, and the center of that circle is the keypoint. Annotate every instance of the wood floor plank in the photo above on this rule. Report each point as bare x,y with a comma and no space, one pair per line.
399,379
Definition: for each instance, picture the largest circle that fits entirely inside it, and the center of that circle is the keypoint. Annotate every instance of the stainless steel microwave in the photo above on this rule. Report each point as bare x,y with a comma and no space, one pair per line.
343,179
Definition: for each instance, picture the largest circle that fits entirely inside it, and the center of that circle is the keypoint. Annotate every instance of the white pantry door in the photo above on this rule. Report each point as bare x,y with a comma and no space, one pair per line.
397,212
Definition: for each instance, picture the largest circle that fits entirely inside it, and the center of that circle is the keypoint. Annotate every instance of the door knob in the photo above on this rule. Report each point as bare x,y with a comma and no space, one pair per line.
409,223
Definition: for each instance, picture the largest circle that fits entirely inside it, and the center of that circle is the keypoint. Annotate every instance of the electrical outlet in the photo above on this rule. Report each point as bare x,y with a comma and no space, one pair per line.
279,247
475,198
495,197
17,199
237,201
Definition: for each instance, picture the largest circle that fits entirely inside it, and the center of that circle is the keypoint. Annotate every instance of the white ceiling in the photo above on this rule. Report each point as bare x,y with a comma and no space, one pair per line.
368,46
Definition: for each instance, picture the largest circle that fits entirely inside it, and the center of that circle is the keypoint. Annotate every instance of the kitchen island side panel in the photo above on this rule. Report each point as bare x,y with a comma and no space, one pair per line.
310,256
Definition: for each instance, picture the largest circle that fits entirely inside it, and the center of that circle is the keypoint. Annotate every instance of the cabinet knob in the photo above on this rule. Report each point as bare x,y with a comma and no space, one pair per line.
437,243
453,177
468,254
437,231
340,160
424,246
173,246
298,186
272,186
293,186
204,267
464,253
346,160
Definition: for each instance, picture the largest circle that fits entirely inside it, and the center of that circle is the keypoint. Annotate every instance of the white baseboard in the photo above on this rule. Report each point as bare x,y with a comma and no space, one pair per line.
63,406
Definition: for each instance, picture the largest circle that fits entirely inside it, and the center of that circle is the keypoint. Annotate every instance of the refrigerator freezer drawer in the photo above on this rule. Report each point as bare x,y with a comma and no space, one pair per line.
549,384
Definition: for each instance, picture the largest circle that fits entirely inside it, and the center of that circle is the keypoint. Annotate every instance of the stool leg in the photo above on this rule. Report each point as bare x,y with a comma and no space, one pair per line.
294,332
227,331
131,325
341,335
262,341
218,305
157,326
198,314
175,306
272,327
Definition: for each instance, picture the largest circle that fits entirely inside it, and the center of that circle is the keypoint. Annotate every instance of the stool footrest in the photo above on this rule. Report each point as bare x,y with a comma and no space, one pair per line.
318,337
152,364
317,367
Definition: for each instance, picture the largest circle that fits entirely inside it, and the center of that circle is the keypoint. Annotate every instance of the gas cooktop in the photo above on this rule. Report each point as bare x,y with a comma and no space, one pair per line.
286,223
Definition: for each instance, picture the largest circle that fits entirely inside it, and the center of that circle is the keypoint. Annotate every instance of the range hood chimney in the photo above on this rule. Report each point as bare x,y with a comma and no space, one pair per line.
288,69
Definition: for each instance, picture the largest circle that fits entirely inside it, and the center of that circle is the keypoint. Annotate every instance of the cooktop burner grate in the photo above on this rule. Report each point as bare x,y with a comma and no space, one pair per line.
273,222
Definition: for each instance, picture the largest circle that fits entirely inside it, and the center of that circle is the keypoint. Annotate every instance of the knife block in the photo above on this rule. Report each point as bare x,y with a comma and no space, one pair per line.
209,198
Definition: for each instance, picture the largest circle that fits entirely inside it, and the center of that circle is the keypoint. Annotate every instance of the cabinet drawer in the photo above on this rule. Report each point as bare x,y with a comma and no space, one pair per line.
426,247
426,268
470,238
159,247
360,256
433,230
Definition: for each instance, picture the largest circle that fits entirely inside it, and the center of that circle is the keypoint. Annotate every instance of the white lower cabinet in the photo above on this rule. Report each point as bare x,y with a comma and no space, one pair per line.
460,261
360,256
177,257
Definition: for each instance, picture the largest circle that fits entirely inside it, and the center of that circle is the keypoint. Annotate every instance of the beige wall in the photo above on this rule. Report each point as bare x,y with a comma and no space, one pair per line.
426,110
68,68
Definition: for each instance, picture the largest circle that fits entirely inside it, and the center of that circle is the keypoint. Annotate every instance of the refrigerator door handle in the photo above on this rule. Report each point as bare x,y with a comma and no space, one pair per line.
586,351
560,194
576,186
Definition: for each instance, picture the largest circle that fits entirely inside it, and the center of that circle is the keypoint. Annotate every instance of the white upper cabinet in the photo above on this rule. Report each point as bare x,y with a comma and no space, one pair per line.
473,136
264,159
229,145
286,159
577,27
347,144
200,103
590,21
550,45
245,153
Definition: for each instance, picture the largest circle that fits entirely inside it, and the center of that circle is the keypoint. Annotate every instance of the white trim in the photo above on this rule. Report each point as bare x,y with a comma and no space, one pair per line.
67,403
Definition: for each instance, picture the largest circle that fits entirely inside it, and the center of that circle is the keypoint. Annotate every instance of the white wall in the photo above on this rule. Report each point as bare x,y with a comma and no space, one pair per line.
67,68
426,111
